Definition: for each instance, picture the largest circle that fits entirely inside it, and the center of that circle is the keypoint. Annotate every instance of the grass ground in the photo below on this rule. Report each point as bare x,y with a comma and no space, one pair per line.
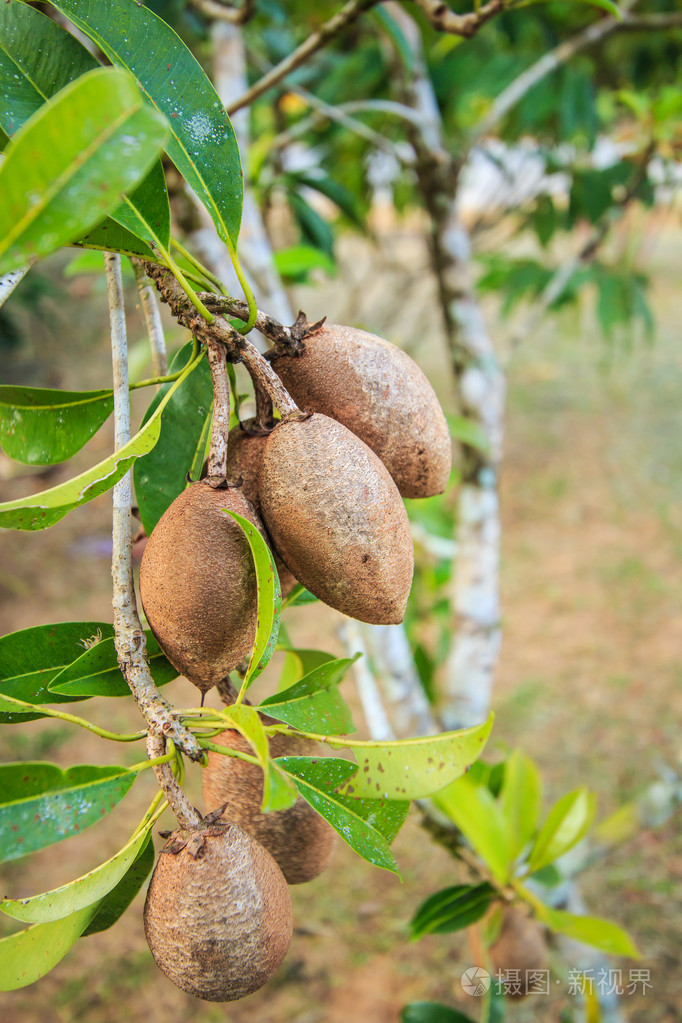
588,680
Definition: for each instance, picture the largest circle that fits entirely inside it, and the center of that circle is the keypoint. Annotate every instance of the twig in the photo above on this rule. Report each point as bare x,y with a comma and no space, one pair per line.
336,24
218,11
287,339
264,376
217,456
8,282
152,318
185,814
129,635
444,19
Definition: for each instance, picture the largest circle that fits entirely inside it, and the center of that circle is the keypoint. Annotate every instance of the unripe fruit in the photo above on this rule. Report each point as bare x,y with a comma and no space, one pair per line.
377,391
336,518
198,584
299,839
244,455
519,948
218,915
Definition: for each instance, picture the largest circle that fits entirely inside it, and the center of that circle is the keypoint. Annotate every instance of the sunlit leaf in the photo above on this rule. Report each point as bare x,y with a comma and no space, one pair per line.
96,139
119,898
568,822
479,817
521,799
314,704
28,955
590,930
97,672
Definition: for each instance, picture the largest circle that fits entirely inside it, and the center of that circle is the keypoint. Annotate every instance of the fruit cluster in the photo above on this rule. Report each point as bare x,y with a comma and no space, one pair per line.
323,485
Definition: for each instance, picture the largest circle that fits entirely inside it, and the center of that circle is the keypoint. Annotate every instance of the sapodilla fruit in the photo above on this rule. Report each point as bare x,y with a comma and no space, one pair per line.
198,584
520,947
298,838
381,394
336,518
244,455
218,915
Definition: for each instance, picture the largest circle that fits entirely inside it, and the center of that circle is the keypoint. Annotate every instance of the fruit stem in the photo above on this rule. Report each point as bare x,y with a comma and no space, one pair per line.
215,748
204,271
185,814
217,455
264,377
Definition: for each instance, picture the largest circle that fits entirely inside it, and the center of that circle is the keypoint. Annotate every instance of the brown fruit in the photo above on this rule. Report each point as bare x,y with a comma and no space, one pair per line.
336,518
377,391
299,839
244,455
198,584
218,915
520,948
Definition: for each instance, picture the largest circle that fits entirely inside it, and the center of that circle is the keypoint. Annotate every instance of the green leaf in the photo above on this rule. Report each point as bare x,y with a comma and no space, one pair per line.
269,600
298,663
39,426
414,768
297,261
76,895
605,5
119,898
161,476
97,672
452,909
281,792
568,822
96,139
202,144
31,658
480,818
248,723
468,432
367,825
432,1012
41,804
37,59
314,704
300,596
49,506
28,955
521,799
589,930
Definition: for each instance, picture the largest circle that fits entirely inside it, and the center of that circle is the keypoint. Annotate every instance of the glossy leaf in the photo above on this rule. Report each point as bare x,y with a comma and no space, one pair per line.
97,673
367,825
452,909
248,723
39,426
297,663
414,768
76,895
28,955
568,822
269,599
279,792
480,818
590,930
41,804
44,509
432,1012
202,144
95,139
161,476
521,799
299,596
314,704
31,658
108,236
119,898
37,59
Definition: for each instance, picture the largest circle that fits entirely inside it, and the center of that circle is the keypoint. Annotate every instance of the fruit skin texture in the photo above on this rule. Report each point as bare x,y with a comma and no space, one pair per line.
244,456
377,391
198,584
337,519
218,915
520,946
299,839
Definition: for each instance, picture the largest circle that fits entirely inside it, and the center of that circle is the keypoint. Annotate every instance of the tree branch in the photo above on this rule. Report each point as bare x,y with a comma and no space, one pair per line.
444,19
218,11
152,318
346,16
8,282
129,635
185,814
